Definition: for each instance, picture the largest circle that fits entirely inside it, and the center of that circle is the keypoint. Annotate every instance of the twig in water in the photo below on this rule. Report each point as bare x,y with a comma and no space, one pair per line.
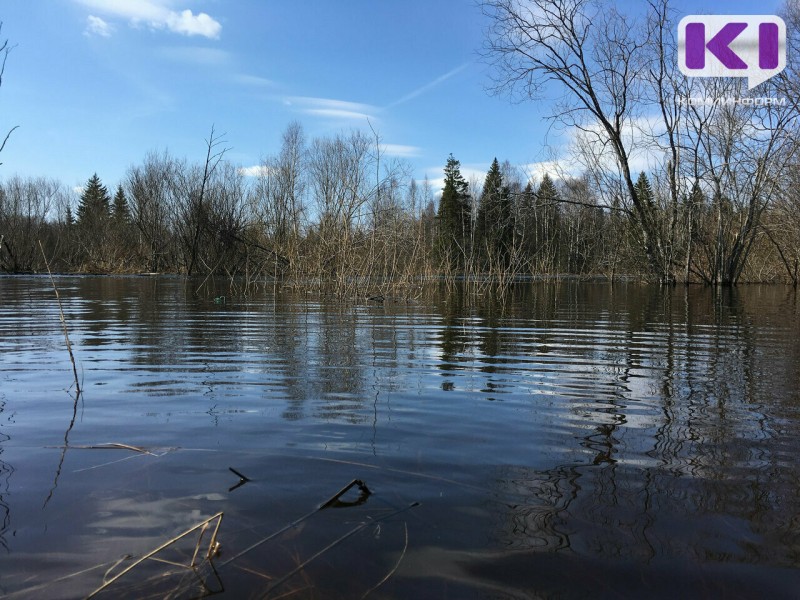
333,544
334,500
63,320
393,570
239,475
111,446
296,522
213,549
242,479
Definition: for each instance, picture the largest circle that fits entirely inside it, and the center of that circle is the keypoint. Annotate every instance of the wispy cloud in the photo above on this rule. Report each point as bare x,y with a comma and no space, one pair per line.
157,14
401,151
334,109
430,85
253,80
96,26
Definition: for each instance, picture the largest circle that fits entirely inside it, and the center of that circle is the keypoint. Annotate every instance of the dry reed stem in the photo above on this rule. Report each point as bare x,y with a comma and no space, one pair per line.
394,569
212,549
333,544
63,320
110,446
400,471
294,523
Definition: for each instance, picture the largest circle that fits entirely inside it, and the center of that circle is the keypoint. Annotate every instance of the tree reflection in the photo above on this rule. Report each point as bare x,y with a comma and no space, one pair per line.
6,471
681,445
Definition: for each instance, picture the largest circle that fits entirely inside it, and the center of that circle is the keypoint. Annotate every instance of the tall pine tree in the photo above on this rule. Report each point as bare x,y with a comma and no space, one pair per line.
643,189
494,227
455,216
547,226
95,205
120,213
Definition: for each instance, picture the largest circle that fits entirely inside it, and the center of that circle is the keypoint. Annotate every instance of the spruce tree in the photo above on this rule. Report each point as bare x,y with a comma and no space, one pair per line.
548,224
643,190
454,214
95,204
120,213
494,227
547,194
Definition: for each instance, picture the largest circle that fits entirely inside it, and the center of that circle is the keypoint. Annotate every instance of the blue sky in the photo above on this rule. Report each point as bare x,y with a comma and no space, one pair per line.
94,85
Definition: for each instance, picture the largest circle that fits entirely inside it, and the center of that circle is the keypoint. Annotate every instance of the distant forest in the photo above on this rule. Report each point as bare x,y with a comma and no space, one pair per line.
718,203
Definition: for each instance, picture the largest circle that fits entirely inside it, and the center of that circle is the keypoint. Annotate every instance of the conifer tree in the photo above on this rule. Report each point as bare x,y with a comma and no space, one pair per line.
95,204
455,218
120,213
547,191
494,227
643,189
93,224
547,224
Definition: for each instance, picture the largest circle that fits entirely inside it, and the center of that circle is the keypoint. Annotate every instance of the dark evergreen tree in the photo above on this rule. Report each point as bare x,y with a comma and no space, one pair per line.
546,241
120,213
95,205
547,195
455,215
494,227
643,189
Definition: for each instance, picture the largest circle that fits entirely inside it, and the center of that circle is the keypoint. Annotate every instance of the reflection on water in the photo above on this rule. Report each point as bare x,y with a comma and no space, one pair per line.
573,439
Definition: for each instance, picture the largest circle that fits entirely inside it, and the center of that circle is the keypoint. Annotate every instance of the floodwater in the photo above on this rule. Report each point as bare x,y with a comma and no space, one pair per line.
575,440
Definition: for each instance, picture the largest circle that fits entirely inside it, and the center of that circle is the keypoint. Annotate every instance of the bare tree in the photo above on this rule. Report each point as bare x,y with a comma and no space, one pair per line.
280,194
193,200
152,191
24,208
597,58
5,49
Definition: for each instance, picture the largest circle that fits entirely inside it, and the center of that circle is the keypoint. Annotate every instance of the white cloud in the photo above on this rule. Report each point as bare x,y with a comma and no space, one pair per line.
335,109
190,24
400,150
96,26
555,169
254,171
430,85
639,135
158,15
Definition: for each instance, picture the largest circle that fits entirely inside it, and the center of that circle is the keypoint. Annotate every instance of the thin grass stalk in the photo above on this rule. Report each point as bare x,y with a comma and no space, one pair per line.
203,525
333,544
393,569
63,320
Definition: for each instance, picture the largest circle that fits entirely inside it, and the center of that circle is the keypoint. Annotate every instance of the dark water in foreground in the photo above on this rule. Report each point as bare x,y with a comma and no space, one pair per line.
581,441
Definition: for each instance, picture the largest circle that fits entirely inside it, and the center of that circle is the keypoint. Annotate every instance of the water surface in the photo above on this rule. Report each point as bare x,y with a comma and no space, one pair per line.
574,440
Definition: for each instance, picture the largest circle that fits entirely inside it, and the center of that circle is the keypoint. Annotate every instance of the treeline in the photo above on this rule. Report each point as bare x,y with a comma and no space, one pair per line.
718,204
334,211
